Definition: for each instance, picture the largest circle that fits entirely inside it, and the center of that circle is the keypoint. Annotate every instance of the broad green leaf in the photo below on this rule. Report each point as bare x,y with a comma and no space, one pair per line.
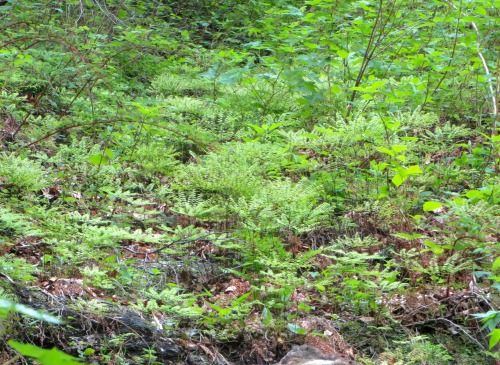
432,205
210,74
240,299
360,88
494,337
43,356
98,159
222,311
481,11
293,11
267,316
108,152
33,313
413,170
384,191
320,287
378,166
398,179
377,85
435,248
407,236
122,14
336,89
386,150
257,128
342,54
89,351
274,126
471,194
399,148
311,45
496,264
296,329
309,135
231,76
8,306
480,274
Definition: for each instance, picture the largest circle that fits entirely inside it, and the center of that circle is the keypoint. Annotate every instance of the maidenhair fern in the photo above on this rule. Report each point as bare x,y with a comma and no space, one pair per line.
19,174
14,223
174,84
235,170
156,157
17,268
283,205
171,301
192,204
184,104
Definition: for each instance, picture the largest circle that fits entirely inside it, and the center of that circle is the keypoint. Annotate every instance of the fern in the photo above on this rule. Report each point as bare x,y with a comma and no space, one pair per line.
192,205
235,170
17,268
17,224
173,302
19,174
173,84
283,205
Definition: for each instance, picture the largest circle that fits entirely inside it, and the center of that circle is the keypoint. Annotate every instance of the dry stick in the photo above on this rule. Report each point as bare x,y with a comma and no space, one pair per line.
453,50
91,80
494,132
81,125
366,60
451,324
58,41
493,92
38,98
107,13
12,360
373,43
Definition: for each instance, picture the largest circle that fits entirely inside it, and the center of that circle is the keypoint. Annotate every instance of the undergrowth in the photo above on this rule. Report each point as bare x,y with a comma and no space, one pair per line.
261,173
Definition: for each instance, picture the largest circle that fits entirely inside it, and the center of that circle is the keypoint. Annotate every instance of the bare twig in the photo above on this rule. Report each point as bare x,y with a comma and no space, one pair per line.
494,99
450,324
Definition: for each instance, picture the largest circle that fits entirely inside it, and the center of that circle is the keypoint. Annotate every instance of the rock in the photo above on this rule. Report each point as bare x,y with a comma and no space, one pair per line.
308,355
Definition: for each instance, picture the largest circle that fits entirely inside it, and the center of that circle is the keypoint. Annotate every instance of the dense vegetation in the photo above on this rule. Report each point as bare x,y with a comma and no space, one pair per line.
248,175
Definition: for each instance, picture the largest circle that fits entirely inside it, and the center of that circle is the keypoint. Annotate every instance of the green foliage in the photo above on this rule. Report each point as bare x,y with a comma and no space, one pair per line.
43,356
335,156
171,83
418,350
17,268
7,307
283,206
193,205
236,169
21,175
154,157
172,302
12,224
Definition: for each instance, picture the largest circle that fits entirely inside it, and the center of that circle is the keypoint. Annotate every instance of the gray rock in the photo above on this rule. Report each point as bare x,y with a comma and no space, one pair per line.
308,355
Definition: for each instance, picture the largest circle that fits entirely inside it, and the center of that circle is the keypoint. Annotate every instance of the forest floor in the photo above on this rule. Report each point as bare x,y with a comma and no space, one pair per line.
176,203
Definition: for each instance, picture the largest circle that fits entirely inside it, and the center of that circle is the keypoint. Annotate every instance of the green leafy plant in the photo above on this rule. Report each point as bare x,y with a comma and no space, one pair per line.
43,356
19,174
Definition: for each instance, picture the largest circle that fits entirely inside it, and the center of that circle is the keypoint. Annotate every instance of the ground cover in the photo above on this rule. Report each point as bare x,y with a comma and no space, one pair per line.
213,183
